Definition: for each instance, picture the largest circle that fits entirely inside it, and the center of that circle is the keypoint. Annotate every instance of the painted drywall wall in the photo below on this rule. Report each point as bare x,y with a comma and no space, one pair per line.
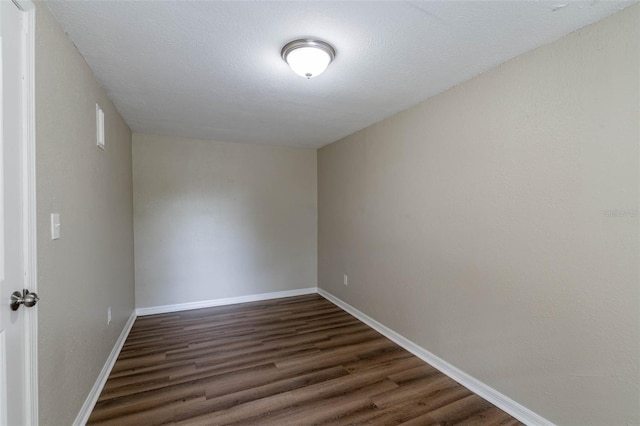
496,225
91,266
215,220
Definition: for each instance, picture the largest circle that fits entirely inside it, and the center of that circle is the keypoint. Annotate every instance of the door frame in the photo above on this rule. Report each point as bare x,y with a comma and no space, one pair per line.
29,235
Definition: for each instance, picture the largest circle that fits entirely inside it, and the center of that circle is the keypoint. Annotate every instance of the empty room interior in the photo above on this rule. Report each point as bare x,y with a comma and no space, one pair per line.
337,212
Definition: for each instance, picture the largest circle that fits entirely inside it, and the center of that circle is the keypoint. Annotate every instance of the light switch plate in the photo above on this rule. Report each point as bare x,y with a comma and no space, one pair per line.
55,226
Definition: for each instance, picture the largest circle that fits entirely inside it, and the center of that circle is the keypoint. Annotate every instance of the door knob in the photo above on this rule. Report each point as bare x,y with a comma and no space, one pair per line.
25,298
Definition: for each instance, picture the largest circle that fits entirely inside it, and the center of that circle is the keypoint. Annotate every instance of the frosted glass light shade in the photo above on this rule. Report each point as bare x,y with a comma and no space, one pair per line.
308,58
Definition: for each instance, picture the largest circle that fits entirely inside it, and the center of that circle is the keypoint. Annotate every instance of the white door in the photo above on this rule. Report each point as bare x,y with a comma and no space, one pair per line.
14,351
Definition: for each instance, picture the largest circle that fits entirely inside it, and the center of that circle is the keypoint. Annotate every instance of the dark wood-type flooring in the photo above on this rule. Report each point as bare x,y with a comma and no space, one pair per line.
293,361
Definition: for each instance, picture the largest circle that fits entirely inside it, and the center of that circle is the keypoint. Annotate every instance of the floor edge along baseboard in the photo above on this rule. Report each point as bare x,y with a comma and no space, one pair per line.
153,310
94,394
481,389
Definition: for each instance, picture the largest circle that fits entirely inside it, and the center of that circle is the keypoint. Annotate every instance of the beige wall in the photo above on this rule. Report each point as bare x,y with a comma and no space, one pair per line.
216,220
477,224
91,266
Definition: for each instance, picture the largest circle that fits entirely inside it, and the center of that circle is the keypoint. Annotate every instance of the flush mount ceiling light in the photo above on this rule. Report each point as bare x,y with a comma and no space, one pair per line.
307,57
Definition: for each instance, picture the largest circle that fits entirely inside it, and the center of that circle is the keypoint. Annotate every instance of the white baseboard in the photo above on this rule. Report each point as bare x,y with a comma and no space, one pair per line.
226,301
493,396
92,398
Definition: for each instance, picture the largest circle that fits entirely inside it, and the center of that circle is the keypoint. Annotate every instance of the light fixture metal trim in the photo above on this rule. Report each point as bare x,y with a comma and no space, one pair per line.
308,42
305,65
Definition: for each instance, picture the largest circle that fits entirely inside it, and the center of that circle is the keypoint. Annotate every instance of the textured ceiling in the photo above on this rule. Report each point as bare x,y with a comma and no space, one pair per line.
212,70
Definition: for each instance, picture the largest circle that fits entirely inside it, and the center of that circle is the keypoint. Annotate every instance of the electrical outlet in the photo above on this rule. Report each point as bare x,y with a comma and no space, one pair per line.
109,315
346,280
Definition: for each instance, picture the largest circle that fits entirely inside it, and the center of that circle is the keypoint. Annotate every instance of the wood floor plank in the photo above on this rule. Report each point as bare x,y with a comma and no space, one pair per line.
293,361
239,404
459,411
